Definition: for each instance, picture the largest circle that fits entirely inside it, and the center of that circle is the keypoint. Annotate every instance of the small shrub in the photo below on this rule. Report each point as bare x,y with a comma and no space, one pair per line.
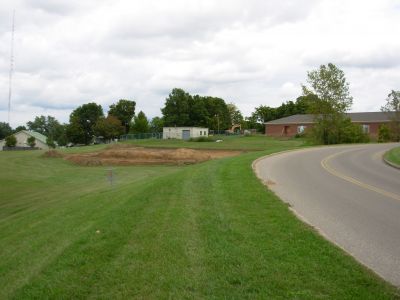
31,141
50,143
384,134
352,133
202,139
11,141
52,154
300,135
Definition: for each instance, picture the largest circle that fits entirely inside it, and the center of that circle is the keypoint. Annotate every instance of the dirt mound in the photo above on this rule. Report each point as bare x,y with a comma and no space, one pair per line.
52,154
128,155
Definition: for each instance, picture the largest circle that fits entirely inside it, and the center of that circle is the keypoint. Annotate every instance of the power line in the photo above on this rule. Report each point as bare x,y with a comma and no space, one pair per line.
11,66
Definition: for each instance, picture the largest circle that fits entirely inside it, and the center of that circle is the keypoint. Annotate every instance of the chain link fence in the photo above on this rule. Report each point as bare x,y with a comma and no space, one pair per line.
159,135
141,136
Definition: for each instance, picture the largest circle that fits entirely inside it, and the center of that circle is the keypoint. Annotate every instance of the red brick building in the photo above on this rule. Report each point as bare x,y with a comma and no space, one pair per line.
297,124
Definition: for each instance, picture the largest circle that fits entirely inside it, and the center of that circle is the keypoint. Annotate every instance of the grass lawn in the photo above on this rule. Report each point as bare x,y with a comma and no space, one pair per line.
246,143
210,230
394,156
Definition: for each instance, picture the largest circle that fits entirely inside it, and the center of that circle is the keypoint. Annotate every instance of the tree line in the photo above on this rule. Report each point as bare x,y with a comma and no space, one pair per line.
326,96
88,120
85,122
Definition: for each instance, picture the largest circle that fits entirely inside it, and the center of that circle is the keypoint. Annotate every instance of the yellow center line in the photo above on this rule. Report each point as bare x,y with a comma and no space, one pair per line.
327,167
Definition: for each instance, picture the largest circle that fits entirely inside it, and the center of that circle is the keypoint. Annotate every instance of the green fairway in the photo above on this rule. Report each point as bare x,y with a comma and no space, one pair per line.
394,156
210,231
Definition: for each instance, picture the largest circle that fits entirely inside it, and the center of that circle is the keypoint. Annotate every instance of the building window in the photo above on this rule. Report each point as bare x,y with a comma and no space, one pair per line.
365,128
201,132
301,129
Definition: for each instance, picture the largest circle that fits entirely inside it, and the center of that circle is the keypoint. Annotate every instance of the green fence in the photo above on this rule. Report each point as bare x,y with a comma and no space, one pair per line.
223,132
159,135
141,136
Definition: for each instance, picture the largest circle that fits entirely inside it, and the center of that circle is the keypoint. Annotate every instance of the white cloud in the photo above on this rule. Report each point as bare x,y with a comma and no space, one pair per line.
248,52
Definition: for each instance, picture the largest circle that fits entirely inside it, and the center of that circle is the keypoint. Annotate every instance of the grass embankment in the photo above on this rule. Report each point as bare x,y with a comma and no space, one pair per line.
394,156
202,231
245,143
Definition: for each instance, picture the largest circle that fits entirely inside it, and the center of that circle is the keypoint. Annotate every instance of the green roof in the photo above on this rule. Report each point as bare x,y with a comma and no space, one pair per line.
38,136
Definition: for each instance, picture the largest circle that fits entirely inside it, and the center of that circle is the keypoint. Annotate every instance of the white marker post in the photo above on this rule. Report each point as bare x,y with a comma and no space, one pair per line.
110,176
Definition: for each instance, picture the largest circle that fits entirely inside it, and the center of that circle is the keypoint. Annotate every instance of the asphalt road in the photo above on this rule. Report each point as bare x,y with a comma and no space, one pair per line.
349,194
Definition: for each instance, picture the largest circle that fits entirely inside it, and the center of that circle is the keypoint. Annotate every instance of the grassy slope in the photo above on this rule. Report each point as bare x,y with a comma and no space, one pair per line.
228,143
394,156
208,231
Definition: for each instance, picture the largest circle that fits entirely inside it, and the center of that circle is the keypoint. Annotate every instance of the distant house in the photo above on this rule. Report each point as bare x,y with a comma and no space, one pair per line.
184,133
22,140
297,124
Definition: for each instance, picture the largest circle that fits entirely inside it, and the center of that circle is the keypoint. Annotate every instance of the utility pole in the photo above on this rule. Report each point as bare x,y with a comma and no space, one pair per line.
11,66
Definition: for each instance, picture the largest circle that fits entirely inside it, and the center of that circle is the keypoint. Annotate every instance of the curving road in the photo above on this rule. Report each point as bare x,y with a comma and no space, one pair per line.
349,194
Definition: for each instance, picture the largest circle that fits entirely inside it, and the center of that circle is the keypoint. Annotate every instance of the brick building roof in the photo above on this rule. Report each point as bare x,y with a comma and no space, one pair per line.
367,117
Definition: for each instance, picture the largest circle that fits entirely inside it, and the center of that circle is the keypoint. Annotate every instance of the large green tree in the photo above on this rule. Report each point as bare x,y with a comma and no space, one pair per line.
48,126
5,130
259,116
330,102
140,123
82,121
176,111
235,114
156,124
39,124
218,113
124,110
76,133
329,84
109,127
198,113
264,113
392,108
182,109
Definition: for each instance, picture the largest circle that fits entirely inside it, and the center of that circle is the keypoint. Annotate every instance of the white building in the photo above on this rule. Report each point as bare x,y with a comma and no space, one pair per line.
22,140
184,133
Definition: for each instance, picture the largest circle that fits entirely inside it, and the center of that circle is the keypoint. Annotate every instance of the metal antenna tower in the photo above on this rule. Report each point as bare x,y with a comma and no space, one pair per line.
11,66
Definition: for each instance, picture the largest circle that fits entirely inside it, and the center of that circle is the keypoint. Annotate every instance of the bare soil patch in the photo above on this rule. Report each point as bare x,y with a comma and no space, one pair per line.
52,154
130,155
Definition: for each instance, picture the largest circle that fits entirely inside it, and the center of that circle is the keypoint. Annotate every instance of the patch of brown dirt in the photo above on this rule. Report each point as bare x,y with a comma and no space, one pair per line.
128,155
52,154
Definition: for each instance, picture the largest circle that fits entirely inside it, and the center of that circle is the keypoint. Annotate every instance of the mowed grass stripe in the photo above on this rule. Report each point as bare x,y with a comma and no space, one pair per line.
203,231
55,218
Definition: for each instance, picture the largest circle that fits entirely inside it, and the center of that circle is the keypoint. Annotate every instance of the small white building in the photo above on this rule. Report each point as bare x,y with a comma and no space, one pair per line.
22,139
184,133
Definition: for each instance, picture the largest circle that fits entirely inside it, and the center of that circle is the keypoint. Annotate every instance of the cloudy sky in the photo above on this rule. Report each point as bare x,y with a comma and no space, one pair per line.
249,52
